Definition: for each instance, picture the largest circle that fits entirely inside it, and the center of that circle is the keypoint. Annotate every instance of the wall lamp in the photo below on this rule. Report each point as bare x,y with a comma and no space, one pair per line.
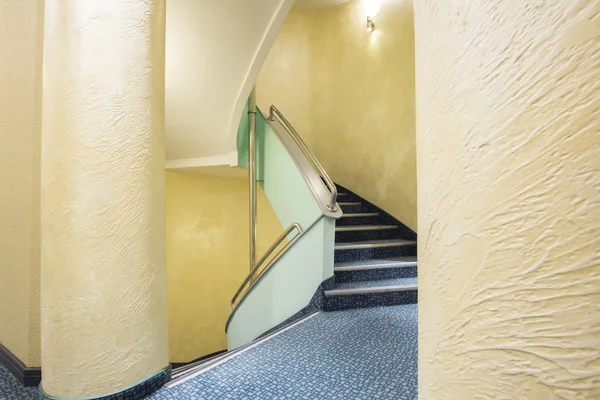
370,24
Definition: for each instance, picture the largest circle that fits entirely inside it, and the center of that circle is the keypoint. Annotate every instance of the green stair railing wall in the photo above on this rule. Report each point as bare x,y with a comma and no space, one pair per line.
303,196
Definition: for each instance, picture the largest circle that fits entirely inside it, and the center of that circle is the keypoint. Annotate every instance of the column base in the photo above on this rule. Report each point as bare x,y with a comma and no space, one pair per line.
135,392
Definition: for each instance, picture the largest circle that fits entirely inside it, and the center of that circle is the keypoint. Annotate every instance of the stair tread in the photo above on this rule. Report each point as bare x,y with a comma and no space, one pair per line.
356,215
350,203
365,244
377,263
367,286
350,228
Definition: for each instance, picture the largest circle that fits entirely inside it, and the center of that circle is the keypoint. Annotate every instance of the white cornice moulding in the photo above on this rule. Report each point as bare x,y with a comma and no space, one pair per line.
318,3
229,159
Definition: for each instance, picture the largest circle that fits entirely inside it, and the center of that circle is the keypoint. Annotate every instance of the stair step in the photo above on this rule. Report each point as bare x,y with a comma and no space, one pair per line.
350,206
348,228
360,265
364,294
373,244
376,269
350,203
342,194
357,215
377,286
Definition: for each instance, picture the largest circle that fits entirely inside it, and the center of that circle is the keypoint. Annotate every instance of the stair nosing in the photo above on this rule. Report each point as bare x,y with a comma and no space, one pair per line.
353,228
362,245
356,215
350,203
376,289
364,267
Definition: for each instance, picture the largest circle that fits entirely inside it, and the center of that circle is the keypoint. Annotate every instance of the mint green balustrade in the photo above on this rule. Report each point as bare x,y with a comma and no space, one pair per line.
294,191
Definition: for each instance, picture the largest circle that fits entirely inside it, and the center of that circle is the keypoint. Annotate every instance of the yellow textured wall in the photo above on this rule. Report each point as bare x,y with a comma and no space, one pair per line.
103,272
350,94
207,256
508,137
285,77
21,43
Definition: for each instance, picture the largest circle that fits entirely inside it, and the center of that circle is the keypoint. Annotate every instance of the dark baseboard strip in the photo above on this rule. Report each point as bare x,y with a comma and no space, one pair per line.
27,376
135,392
206,357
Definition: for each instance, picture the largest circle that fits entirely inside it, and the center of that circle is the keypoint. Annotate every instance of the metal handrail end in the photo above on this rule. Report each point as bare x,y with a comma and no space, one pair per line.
327,181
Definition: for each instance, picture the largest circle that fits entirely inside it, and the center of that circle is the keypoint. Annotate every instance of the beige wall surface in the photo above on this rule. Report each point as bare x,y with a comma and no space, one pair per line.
508,137
21,44
207,256
350,95
285,78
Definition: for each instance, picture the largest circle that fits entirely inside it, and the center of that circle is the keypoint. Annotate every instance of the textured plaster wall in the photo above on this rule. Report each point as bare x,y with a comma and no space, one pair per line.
207,256
508,137
104,307
350,94
21,36
285,77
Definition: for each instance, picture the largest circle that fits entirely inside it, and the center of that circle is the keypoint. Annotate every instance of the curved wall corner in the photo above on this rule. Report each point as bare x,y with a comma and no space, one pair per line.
214,52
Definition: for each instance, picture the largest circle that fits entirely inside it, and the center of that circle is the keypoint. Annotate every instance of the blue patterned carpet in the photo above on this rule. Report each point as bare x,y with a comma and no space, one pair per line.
11,389
357,354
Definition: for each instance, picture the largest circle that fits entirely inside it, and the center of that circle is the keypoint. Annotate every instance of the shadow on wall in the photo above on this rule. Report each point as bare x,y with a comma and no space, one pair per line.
207,256
351,94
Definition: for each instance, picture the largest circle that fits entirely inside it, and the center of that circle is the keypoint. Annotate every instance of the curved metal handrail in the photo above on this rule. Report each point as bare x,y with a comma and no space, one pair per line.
235,302
332,206
251,278
331,209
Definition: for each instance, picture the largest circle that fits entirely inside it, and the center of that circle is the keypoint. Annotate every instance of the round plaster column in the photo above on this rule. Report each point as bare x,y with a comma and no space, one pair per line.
104,322
508,145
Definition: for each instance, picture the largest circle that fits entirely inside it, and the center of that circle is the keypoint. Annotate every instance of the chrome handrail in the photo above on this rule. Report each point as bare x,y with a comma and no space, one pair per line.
251,278
252,174
332,206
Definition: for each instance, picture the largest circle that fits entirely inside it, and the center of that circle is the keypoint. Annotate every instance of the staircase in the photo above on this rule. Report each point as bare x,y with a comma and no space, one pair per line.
356,349
375,258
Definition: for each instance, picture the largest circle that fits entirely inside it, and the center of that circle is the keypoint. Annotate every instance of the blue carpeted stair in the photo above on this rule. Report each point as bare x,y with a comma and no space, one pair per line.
375,258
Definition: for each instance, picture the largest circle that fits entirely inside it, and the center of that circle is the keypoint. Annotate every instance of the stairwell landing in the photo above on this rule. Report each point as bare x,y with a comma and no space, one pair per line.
361,345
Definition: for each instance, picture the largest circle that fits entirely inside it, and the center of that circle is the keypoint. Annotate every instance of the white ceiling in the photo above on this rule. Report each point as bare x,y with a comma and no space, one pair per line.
214,53
318,3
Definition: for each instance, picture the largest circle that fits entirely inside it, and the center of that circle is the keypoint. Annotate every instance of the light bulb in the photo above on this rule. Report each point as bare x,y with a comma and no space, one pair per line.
370,24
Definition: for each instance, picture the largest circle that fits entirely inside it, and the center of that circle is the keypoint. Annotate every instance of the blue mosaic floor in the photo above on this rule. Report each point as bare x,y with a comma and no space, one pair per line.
378,283
351,355
11,389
